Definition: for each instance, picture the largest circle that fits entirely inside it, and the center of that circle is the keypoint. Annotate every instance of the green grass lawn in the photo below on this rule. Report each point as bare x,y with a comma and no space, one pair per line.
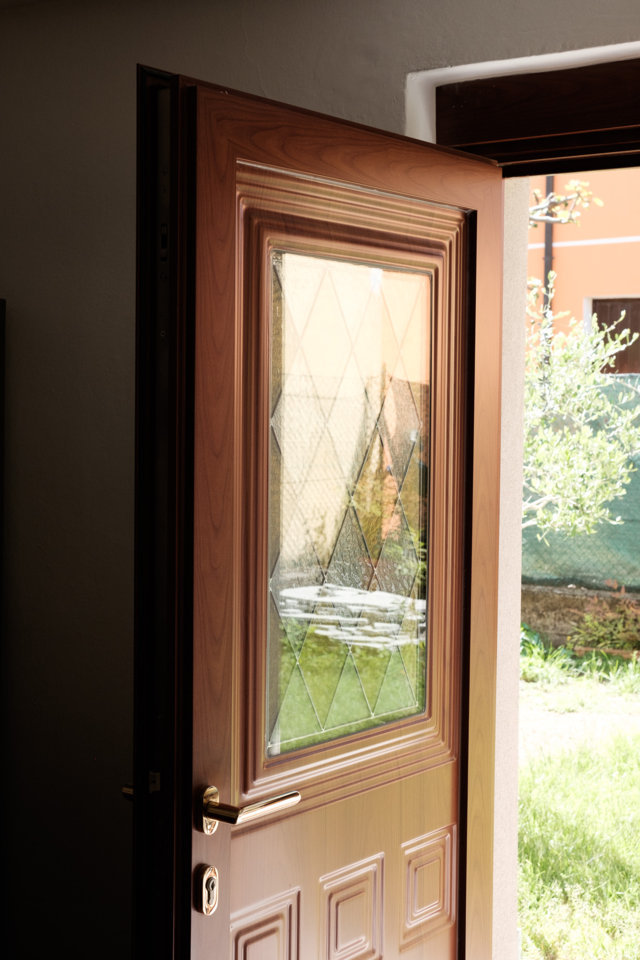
579,826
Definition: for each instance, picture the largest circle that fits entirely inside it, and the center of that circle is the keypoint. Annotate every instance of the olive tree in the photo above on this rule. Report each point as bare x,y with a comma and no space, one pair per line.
582,426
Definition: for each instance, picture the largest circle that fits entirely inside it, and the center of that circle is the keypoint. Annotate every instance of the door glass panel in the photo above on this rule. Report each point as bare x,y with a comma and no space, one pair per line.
348,497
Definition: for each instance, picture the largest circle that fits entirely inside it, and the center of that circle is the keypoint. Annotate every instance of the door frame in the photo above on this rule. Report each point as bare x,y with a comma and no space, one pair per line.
524,123
569,137
163,589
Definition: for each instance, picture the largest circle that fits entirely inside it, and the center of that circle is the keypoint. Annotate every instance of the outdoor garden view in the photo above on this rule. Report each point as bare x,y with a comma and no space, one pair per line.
579,821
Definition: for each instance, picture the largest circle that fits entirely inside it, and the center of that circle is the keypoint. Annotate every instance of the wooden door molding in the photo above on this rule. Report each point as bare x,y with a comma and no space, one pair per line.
561,120
405,234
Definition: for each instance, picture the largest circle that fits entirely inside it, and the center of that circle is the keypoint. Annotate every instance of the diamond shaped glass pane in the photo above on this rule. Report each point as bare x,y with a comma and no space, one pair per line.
297,721
396,696
398,564
350,423
399,426
322,662
371,662
414,494
284,663
348,497
375,495
325,498
350,565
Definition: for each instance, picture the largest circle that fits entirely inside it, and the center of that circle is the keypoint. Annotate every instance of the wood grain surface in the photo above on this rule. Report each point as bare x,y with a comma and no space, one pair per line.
268,174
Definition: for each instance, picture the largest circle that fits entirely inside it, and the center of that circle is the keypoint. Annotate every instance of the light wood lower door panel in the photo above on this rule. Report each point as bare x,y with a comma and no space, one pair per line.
318,889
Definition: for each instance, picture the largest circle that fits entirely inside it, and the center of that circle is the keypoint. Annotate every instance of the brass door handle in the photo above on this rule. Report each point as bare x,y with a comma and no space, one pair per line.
213,811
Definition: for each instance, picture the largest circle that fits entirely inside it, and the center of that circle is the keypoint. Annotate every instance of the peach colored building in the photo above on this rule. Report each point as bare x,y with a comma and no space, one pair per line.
597,260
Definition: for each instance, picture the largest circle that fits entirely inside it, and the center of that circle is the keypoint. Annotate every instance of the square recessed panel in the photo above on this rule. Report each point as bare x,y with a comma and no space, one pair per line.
352,903
268,930
429,884
348,496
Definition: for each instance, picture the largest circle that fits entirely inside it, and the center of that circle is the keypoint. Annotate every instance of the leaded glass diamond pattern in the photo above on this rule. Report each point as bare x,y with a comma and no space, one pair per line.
348,498
350,564
399,425
398,564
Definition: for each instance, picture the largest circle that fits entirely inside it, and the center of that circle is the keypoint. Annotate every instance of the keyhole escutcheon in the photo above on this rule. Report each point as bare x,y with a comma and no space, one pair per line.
209,891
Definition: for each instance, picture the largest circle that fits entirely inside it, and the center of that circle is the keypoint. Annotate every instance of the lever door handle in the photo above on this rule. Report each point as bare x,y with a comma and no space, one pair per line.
213,811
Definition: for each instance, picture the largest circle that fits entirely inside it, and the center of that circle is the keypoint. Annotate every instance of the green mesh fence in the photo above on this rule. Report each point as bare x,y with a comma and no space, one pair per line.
611,553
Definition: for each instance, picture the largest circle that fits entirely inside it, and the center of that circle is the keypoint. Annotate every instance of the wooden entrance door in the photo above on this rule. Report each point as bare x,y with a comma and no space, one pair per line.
338,287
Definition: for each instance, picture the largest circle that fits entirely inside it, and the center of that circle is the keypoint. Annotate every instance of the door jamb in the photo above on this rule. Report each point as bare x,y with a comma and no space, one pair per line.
163,525
421,85
603,147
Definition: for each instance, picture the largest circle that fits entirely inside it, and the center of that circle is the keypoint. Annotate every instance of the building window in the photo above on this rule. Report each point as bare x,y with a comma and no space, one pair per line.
608,312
